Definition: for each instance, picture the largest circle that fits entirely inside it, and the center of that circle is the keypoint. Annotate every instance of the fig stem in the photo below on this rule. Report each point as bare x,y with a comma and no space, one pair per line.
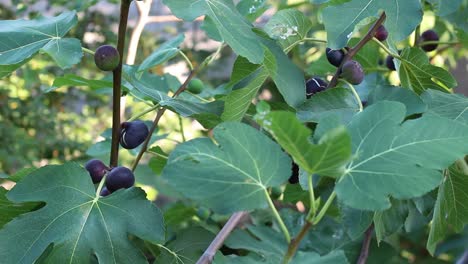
438,42
386,49
281,224
290,47
356,95
87,51
135,117
189,63
181,125
101,184
117,83
313,208
370,34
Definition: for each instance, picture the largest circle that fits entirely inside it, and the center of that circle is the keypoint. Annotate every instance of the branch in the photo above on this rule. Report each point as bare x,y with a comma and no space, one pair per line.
117,81
294,245
218,241
365,245
370,34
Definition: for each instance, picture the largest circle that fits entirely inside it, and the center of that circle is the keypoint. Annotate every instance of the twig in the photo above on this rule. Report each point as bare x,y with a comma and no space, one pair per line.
292,248
355,49
365,245
218,241
117,81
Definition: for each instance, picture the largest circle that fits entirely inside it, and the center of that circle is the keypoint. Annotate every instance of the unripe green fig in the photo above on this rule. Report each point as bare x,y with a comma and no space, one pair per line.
195,86
352,72
107,58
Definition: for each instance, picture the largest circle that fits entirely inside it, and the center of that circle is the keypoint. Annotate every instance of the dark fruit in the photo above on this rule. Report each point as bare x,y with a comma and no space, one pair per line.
195,86
294,179
429,35
107,58
352,72
315,85
104,191
381,33
335,57
96,169
118,178
132,134
390,64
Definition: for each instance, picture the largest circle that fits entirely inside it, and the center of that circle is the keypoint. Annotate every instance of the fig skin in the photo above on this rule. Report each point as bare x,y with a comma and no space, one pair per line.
381,33
429,35
352,72
97,169
107,58
315,85
335,57
119,178
195,86
132,134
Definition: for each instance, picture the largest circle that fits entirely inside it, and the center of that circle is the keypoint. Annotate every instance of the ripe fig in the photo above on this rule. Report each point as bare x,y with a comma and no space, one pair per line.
315,85
429,35
104,191
107,58
97,169
118,178
335,56
390,64
132,134
352,72
195,86
381,33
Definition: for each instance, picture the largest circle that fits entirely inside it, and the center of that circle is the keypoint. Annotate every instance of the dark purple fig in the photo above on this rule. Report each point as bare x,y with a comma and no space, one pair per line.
104,191
118,178
429,35
107,58
96,169
352,72
390,64
381,33
132,134
294,178
315,85
335,57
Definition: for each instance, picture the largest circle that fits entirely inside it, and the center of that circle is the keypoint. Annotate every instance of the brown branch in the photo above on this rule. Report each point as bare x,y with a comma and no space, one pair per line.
370,34
218,241
117,82
295,242
365,245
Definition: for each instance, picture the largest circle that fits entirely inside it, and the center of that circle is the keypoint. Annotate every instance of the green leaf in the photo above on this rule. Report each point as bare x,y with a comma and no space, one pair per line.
288,78
334,257
238,101
328,157
11,210
336,101
21,39
355,221
164,53
390,221
451,106
288,26
231,25
397,160
75,80
419,75
252,9
412,101
76,222
451,212
402,18
233,174
444,8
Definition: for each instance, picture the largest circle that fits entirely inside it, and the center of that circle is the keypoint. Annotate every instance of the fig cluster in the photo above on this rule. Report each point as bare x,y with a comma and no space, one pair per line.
350,70
117,177
133,133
